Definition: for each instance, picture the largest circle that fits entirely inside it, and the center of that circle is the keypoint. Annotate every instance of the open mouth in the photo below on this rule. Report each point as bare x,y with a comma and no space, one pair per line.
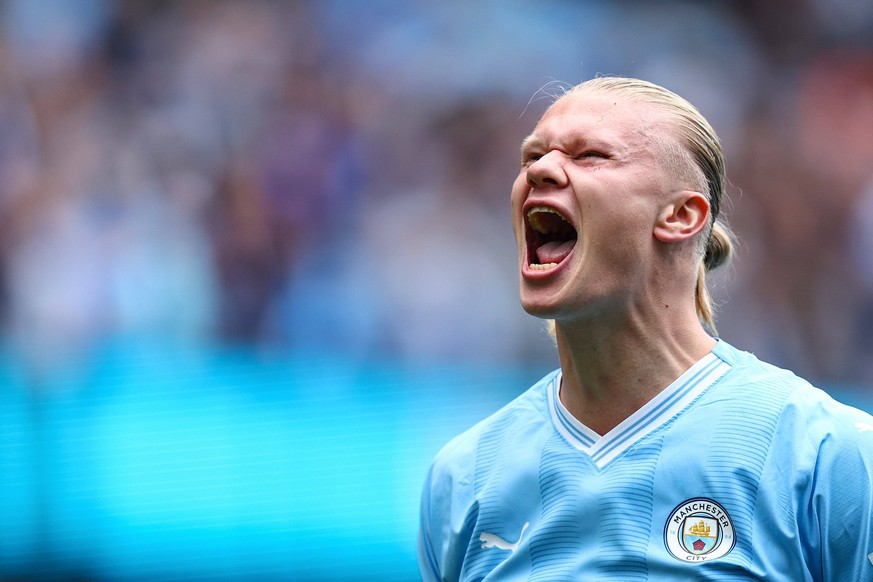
550,238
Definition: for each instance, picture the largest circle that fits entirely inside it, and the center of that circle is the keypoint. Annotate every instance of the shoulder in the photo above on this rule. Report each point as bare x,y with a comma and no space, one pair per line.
748,371
527,411
824,418
808,417
802,401
840,436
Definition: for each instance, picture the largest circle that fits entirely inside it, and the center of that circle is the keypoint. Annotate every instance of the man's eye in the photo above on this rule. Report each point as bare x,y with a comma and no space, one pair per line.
591,154
530,158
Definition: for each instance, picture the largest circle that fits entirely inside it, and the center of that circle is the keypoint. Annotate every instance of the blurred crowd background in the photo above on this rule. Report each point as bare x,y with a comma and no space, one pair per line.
328,180
334,175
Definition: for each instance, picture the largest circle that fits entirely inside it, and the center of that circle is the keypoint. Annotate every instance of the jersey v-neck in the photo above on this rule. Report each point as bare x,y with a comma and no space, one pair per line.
654,414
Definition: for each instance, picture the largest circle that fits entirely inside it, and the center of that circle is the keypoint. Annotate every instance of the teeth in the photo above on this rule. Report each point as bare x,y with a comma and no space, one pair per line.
545,267
536,209
534,221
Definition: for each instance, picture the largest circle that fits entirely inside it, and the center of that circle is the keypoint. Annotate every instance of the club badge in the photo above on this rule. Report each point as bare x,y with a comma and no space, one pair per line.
699,530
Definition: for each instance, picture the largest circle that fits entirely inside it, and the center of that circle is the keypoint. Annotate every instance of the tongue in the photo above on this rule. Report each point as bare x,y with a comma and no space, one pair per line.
554,252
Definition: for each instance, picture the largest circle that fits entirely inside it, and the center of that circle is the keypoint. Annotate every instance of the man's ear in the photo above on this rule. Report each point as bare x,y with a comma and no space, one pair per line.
685,215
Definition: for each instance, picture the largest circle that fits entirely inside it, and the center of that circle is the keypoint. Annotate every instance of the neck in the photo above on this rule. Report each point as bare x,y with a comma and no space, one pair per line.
611,369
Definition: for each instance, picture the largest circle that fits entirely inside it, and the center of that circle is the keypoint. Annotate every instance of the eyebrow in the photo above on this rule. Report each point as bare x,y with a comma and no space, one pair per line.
531,142
535,142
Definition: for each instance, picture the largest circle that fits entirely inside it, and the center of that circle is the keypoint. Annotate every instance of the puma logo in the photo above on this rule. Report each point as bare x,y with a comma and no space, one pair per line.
490,540
864,427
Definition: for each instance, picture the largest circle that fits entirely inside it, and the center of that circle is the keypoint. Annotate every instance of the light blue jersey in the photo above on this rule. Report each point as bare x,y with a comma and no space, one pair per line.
737,471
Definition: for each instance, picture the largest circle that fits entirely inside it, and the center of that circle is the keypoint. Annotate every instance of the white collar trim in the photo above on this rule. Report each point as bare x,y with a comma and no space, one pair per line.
654,414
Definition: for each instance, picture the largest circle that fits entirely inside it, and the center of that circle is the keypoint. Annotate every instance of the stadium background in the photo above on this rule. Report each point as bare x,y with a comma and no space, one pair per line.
256,263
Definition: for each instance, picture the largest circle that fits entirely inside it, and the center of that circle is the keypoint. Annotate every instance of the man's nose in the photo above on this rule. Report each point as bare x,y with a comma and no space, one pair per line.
547,171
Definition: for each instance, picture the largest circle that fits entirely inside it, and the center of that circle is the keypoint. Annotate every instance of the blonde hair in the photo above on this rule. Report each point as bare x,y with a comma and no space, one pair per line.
702,157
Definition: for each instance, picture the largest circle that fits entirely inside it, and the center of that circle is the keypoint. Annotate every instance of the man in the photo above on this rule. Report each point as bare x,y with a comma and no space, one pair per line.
656,451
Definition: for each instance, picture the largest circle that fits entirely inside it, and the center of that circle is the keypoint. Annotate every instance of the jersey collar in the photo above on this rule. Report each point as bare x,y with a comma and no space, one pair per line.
654,414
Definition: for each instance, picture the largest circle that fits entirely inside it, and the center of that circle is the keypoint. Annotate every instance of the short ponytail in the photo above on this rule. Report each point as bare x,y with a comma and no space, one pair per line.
719,249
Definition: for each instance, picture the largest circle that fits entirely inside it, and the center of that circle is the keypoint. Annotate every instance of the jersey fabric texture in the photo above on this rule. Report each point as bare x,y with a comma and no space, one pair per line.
737,471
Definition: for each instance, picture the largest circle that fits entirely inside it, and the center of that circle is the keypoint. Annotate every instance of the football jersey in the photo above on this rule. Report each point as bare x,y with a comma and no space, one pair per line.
737,471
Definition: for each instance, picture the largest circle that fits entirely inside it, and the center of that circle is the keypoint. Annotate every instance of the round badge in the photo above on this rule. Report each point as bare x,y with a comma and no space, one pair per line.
699,530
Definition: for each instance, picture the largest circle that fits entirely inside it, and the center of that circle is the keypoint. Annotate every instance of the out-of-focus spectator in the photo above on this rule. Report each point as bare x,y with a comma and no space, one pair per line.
321,176
442,249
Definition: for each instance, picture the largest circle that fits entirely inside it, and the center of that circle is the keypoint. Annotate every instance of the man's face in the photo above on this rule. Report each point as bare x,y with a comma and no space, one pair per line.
585,202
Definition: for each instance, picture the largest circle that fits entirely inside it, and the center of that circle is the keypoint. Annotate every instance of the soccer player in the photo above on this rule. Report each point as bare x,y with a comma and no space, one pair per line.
656,451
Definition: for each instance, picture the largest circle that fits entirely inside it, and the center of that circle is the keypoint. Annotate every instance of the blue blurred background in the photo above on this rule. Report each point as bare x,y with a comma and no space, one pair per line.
256,264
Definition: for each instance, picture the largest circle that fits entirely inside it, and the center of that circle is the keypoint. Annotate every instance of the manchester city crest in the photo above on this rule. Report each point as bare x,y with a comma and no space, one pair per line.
699,530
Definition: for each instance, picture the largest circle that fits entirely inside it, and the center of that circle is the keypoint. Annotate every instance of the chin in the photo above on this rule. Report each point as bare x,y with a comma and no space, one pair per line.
540,307
575,307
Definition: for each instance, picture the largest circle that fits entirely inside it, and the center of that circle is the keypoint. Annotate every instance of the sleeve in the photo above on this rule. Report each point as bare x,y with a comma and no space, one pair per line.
841,507
428,537
447,514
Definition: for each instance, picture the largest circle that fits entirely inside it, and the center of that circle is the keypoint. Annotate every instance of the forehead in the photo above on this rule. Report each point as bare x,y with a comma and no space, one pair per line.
620,120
